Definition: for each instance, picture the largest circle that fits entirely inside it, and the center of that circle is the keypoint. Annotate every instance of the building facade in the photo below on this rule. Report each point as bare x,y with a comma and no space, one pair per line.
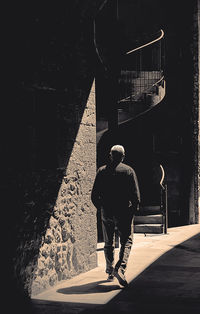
49,131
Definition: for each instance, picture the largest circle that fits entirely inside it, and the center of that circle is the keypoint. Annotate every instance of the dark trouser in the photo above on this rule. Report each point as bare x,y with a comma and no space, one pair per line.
125,230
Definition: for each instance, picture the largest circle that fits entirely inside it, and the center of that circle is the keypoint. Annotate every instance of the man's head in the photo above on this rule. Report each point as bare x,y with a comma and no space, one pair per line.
117,153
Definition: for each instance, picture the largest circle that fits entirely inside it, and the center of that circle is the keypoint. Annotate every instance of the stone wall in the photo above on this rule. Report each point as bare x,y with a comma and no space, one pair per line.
198,164
69,245
48,135
195,185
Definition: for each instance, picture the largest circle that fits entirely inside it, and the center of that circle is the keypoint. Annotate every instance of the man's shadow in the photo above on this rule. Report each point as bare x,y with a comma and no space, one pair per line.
93,287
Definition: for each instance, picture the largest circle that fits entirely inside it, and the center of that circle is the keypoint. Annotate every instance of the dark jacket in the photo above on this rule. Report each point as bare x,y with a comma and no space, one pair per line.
115,188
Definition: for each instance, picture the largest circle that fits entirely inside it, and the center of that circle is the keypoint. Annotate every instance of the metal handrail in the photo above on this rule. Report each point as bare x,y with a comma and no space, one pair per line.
129,52
163,176
140,90
164,207
147,44
145,90
131,91
165,210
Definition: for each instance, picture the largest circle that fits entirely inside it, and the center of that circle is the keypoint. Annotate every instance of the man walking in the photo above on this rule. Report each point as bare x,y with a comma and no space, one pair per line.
116,193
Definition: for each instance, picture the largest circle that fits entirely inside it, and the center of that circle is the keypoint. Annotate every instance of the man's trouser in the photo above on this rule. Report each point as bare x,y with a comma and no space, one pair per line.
124,227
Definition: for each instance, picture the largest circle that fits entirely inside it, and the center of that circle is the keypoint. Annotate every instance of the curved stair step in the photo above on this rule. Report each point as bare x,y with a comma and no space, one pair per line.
149,210
148,219
148,228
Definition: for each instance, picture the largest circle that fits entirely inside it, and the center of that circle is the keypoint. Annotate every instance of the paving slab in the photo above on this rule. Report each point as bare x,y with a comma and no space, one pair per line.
163,269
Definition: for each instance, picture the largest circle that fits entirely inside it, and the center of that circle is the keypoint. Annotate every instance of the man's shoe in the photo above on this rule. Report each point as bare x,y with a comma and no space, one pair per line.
110,277
121,278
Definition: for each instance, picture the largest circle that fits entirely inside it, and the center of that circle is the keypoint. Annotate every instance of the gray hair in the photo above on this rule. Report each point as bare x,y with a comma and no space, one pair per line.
118,149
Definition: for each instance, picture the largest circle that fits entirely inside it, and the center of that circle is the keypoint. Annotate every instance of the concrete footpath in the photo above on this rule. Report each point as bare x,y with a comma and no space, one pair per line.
163,274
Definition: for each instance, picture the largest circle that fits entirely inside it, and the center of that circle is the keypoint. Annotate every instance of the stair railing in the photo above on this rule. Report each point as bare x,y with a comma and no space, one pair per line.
163,201
142,71
139,71
165,212
164,207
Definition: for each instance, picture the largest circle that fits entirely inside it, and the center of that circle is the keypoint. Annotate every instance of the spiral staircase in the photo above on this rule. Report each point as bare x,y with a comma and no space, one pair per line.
140,88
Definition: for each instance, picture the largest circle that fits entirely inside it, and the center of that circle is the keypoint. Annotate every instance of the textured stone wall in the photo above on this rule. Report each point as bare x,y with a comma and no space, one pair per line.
198,164
195,185
69,245
48,161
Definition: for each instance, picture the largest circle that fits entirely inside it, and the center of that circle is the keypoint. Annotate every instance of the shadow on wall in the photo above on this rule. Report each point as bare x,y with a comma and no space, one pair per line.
51,74
30,197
